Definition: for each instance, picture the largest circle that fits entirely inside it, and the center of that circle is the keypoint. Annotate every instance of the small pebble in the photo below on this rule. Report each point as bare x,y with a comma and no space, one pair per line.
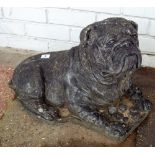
118,117
112,109
136,116
147,105
135,97
138,91
133,110
134,113
43,138
122,107
125,119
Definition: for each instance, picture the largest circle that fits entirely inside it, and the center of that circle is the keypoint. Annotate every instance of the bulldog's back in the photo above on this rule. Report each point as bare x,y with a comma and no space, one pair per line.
42,75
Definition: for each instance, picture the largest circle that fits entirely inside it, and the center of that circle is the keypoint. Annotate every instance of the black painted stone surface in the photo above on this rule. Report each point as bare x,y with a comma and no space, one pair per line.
88,79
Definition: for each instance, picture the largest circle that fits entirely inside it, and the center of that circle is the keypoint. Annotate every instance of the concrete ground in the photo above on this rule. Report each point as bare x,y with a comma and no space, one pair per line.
18,127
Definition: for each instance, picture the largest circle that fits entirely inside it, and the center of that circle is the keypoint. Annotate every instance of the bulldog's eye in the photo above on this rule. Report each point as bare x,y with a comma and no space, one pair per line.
111,42
104,74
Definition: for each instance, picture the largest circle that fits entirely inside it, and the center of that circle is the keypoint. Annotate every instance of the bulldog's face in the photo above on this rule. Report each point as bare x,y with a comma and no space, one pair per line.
113,46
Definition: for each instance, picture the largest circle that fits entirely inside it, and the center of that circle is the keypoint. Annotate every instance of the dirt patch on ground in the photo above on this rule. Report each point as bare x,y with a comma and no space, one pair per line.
5,93
145,79
18,127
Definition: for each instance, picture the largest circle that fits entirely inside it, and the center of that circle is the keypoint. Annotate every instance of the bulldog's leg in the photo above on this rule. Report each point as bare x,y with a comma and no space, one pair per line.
81,106
40,108
29,85
139,100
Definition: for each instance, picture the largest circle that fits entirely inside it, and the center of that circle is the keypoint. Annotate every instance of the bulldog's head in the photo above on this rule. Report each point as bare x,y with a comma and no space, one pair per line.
112,47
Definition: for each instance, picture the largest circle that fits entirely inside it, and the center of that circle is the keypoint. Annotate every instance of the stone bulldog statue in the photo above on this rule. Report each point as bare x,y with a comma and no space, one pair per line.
90,79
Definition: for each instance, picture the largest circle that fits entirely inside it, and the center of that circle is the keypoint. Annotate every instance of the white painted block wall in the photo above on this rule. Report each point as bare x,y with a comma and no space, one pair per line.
53,29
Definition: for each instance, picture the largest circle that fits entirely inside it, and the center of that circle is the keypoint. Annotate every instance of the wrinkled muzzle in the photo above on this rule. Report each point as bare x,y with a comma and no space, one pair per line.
126,56
130,62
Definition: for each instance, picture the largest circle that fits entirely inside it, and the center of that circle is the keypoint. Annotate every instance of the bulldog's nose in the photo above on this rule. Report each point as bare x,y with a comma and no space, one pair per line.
130,62
127,43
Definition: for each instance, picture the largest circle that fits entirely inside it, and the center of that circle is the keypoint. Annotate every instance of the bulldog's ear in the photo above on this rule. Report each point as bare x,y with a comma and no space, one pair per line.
135,25
87,36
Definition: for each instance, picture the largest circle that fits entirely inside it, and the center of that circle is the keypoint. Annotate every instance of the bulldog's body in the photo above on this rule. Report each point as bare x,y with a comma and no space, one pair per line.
86,78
